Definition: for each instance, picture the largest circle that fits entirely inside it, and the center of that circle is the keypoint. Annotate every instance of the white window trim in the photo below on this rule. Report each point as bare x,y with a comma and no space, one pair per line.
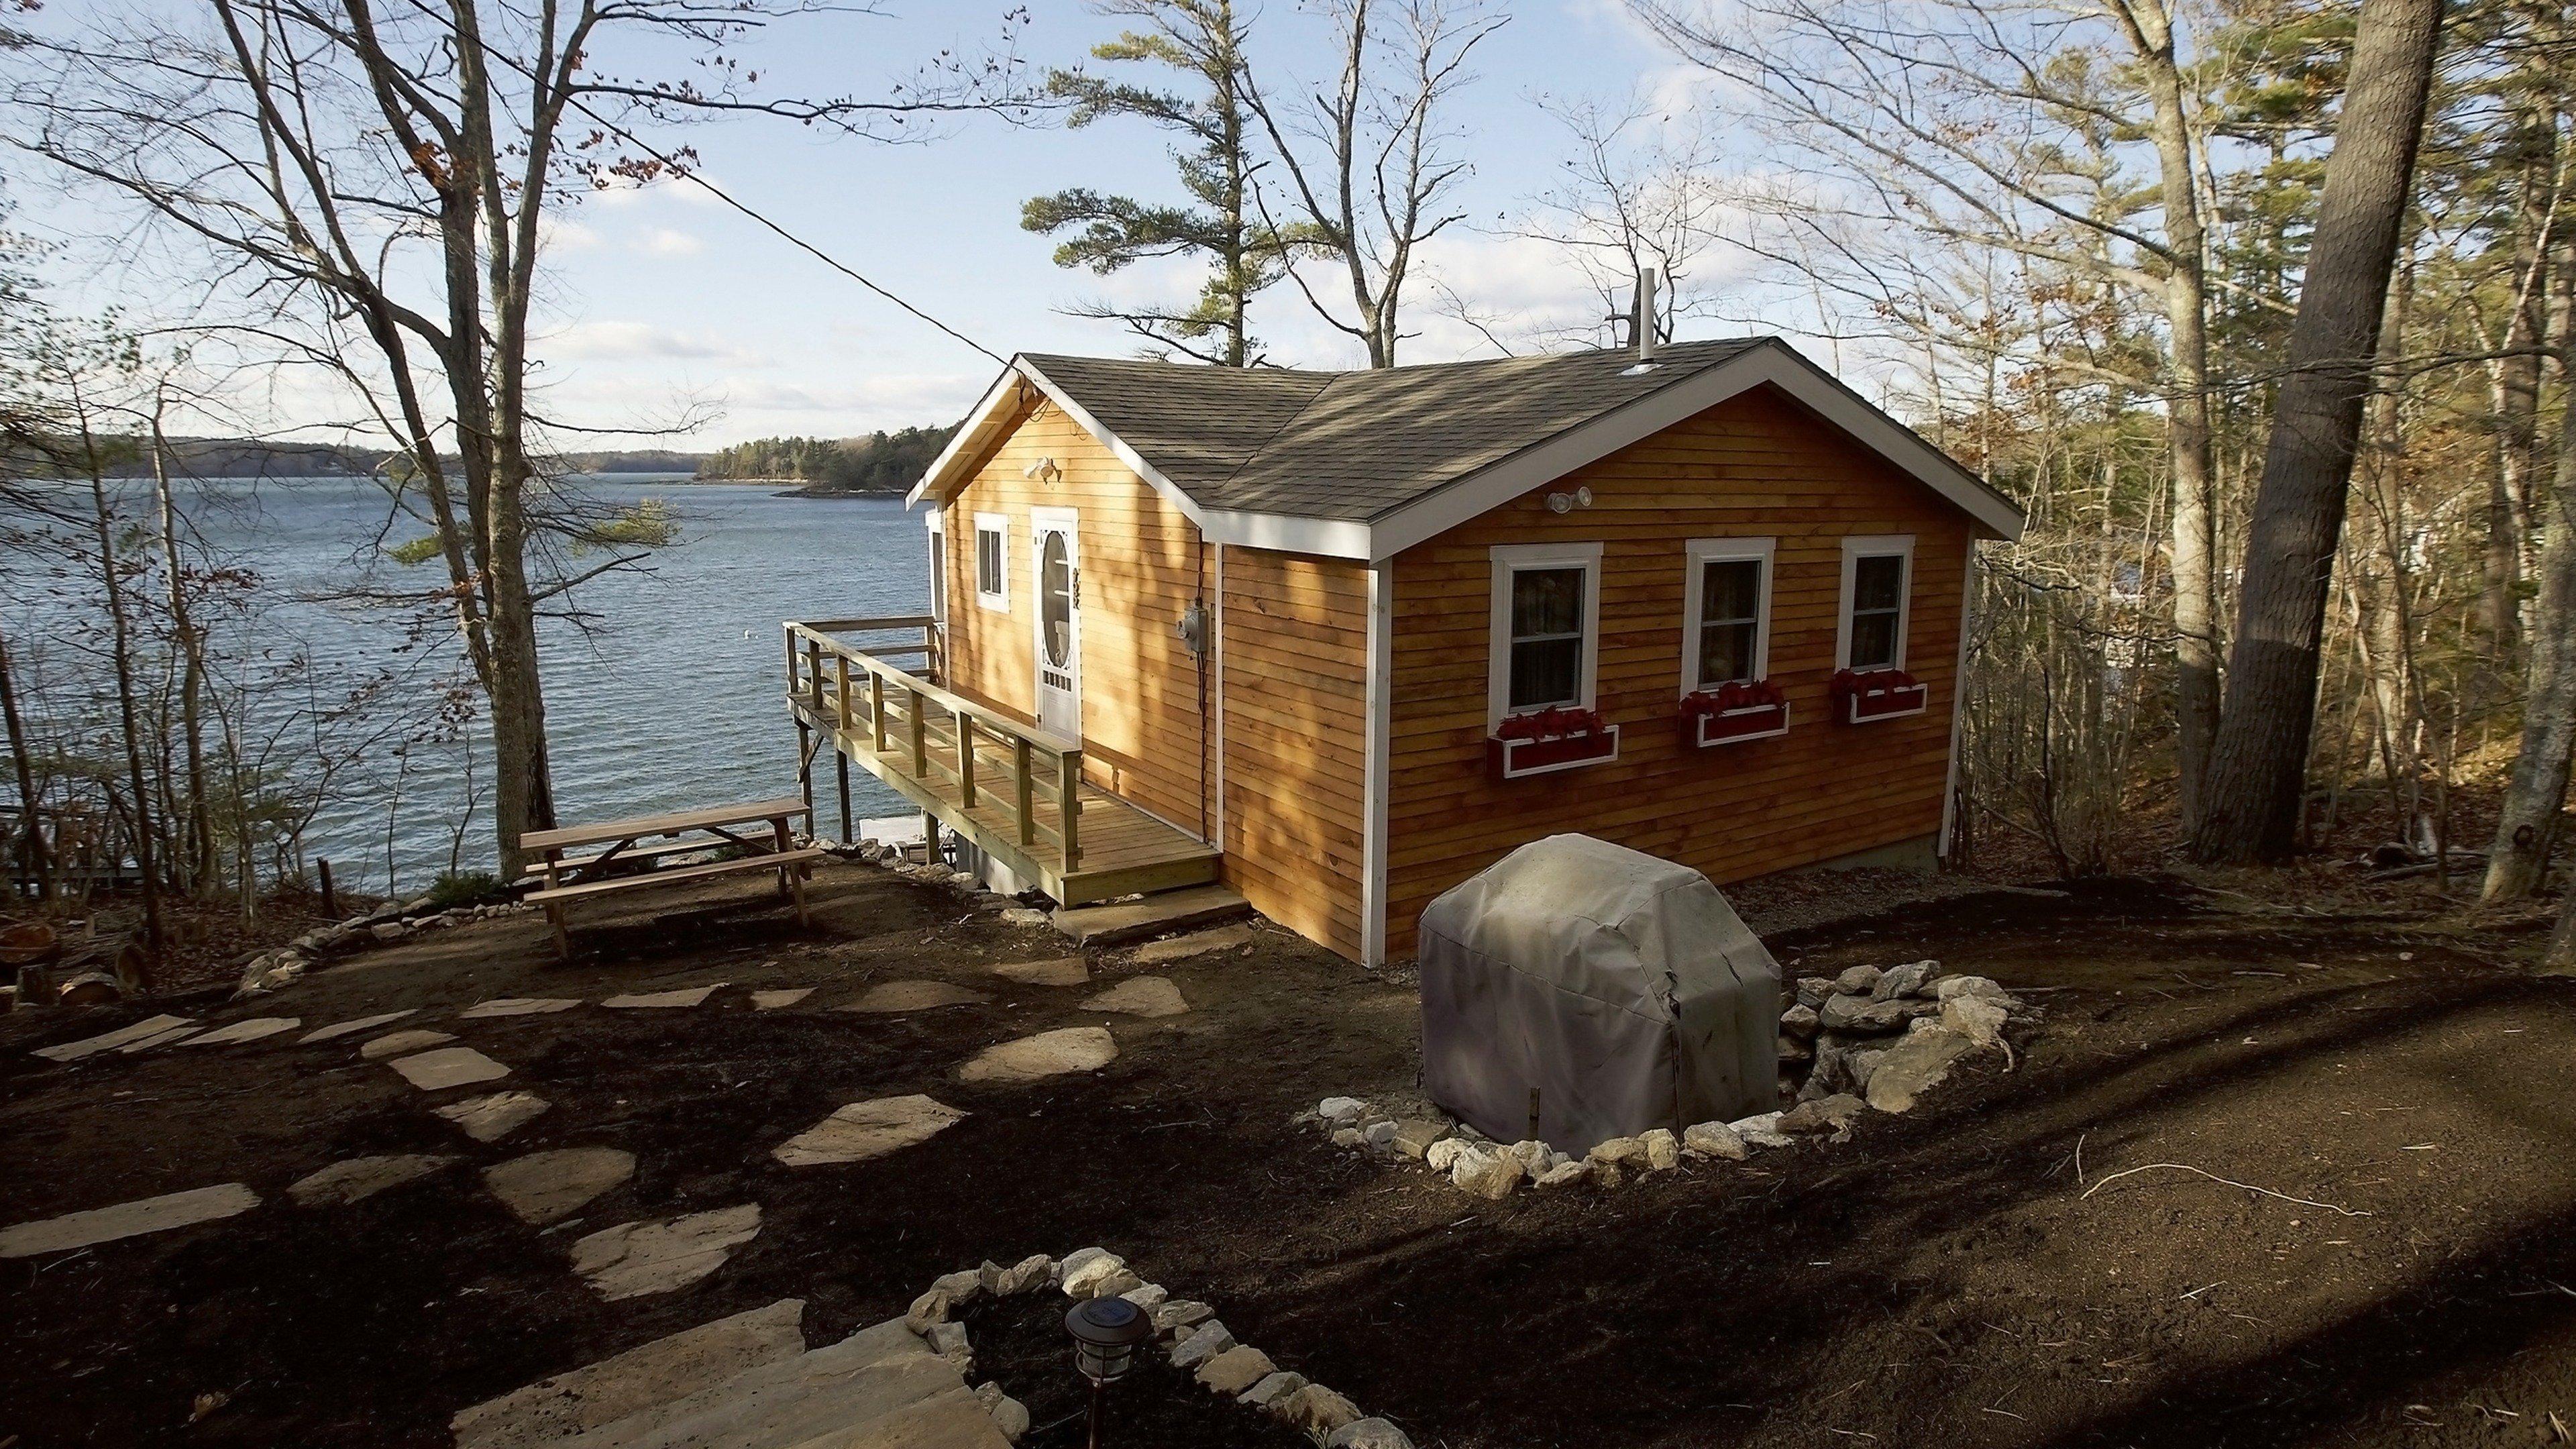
1701,552
1874,546
937,522
1000,526
1513,558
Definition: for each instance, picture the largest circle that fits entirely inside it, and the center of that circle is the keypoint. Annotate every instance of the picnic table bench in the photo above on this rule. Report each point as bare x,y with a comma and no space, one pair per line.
761,829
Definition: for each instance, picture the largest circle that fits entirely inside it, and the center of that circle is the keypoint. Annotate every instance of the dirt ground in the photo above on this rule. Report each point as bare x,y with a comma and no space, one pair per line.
1994,1269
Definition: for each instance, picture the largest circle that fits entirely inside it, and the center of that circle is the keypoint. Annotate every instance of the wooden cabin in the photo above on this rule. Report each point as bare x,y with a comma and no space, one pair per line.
1340,640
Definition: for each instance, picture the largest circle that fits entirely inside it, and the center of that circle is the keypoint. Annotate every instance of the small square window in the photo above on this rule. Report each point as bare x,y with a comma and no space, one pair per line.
992,561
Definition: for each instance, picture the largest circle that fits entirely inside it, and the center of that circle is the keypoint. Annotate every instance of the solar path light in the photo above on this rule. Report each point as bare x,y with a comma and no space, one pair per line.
1105,1334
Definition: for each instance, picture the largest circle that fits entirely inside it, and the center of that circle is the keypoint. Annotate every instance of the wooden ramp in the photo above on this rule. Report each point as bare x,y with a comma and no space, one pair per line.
1005,791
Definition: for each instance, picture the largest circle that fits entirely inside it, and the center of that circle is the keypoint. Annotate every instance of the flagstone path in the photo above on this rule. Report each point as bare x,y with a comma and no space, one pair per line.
894,996
516,1006
868,1129
396,1043
613,1388
150,1029
434,1071
1198,943
126,1220
489,1119
634,1259
361,1178
256,1028
685,996
547,1187
784,996
1047,1054
1148,996
337,1030
1062,971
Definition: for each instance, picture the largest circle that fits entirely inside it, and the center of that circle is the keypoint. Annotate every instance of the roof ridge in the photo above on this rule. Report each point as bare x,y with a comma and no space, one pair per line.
1284,424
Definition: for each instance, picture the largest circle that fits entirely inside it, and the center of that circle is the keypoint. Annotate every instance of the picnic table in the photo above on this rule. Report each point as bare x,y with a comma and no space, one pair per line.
762,829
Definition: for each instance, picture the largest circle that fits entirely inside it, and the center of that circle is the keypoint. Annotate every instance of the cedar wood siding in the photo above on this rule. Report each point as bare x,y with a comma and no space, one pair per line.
1755,466
1140,566
1296,709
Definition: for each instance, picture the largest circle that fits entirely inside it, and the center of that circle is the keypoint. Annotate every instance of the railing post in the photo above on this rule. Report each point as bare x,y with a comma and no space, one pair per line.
791,661
920,738
966,757
841,696
1024,784
876,712
1068,767
814,674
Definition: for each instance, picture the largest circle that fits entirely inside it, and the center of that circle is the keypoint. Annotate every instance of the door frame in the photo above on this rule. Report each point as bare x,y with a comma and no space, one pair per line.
1068,522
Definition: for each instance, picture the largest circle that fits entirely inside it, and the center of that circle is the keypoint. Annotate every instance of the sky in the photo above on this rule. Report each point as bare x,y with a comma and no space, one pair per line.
662,301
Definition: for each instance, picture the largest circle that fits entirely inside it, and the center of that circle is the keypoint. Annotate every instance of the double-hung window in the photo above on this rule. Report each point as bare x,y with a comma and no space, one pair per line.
1726,612
993,561
1546,628
1878,579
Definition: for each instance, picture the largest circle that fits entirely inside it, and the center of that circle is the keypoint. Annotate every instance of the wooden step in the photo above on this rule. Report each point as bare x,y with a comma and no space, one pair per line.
1154,915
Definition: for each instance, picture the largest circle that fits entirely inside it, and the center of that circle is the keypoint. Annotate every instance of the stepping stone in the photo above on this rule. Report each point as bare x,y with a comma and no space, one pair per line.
126,1220
1182,948
361,1178
863,1130
1141,996
252,1029
448,1067
148,1029
515,1006
1063,971
547,1187
649,1374
893,996
489,1119
685,996
783,996
396,1043
831,1397
1048,1054
633,1259
352,1028
171,1037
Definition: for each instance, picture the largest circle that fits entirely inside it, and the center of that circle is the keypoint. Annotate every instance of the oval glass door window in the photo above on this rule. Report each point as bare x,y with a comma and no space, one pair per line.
1055,600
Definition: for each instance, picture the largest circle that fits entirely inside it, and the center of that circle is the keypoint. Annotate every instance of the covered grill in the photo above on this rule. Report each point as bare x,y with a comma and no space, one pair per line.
1606,990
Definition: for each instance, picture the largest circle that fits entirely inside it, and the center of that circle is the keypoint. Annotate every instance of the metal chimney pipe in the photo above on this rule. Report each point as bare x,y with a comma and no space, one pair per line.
1645,319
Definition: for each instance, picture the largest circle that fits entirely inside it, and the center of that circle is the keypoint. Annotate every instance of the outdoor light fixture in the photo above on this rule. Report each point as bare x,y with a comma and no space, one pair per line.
1568,502
1105,1334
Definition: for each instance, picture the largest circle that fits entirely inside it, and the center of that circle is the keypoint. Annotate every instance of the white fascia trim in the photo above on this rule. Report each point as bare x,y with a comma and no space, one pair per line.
1282,533
1510,558
1875,546
1700,551
968,439
1379,740
1958,701
1768,363
999,525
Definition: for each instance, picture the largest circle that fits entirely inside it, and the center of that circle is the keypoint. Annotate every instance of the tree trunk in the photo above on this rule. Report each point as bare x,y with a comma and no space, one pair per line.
200,857
2527,821
30,844
129,716
2258,765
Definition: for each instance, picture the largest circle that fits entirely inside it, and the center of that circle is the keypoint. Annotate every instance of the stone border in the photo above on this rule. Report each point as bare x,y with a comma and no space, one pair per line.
285,965
1189,1331
1869,1039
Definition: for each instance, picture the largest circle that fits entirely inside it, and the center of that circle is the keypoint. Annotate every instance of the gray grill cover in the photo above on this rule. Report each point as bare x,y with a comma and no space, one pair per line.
1622,987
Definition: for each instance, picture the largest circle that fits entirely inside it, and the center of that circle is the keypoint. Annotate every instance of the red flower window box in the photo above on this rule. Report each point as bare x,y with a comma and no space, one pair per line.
1738,710
1863,695
1547,740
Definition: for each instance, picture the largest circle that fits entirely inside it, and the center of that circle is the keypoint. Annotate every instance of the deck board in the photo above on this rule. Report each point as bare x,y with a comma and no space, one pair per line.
1123,851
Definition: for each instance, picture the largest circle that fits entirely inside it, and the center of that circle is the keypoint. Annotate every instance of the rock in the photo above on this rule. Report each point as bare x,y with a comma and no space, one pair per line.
1197,943
1060,971
1857,981
1980,1019
889,997
1011,1416
256,1028
1023,916
1905,980
1202,1343
1824,1114
435,1071
1814,991
1416,1136
948,1340
1440,1156
1348,1137
778,997
398,1043
517,1006
870,1129
1761,1131
1490,1175
1799,1021
1663,1150
1914,1066
633,1259
489,1119
1025,1276
1379,1135
683,1364
360,1178
1949,988
546,1187
1619,1151
1713,1139
649,1000
962,1287
388,932
1085,1267
927,1311
1792,1051
1179,1313
1564,1174
1236,1369
1367,1434
1117,1283
1861,1016
351,1028
1341,1111
126,1220
1317,1410
1047,1054
1271,1390
1146,996
1147,1296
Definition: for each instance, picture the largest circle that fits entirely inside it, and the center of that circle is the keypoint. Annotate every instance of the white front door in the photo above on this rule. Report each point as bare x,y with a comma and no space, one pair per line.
1058,562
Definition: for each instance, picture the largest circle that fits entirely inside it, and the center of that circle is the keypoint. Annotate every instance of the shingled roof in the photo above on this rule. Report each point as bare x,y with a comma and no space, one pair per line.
1354,445
1361,464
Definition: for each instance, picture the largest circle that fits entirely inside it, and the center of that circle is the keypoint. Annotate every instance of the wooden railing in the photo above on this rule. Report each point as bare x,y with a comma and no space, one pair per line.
895,712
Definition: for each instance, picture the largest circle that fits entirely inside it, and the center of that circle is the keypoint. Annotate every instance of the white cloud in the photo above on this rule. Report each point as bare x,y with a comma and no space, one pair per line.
641,341
665,241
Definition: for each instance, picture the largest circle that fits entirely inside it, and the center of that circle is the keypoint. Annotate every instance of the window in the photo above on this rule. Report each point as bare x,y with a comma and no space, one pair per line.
1877,576
1726,612
1546,626
992,561
938,523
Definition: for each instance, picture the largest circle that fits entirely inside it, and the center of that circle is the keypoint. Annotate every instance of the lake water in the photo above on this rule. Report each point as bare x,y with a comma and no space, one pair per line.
669,698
